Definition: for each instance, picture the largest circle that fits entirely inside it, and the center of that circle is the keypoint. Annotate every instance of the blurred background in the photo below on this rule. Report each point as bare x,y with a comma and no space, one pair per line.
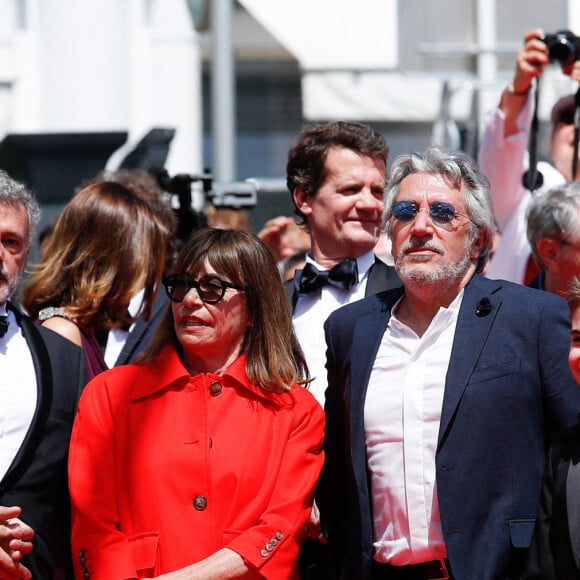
217,90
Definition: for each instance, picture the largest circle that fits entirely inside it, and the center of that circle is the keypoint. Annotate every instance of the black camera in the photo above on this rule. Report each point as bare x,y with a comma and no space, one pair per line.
563,47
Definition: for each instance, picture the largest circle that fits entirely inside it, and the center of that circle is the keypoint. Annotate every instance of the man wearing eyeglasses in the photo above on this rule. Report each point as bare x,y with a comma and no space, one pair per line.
503,156
441,394
553,229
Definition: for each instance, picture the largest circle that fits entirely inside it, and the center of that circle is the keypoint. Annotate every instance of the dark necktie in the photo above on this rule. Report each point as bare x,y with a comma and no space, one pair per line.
310,279
3,325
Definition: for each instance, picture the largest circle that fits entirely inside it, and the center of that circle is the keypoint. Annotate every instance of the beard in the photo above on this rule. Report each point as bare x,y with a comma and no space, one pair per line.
8,285
447,272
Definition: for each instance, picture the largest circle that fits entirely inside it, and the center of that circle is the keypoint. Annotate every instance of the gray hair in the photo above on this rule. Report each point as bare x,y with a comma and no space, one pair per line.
461,172
553,214
13,193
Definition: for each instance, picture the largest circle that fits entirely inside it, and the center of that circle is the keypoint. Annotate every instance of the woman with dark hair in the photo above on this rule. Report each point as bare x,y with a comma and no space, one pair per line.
200,461
106,246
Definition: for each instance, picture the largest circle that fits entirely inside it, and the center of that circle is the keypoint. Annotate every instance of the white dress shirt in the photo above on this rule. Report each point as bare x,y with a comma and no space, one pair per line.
117,337
310,314
18,391
402,415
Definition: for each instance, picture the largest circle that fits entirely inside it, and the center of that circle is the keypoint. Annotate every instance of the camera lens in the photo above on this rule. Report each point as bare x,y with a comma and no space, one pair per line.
561,51
562,47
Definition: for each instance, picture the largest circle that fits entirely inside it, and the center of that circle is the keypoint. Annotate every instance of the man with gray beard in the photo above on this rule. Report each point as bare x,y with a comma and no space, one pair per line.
442,395
41,377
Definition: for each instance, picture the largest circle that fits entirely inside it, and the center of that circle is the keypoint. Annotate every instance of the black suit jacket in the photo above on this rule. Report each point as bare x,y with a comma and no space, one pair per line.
555,550
141,333
37,478
381,277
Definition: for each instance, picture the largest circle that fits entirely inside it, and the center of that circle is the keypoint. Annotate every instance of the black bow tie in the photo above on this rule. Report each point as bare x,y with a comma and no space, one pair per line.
3,325
310,279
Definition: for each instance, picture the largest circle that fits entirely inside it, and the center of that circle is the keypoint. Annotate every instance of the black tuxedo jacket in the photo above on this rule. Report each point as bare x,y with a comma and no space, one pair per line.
37,478
555,550
381,277
507,388
141,333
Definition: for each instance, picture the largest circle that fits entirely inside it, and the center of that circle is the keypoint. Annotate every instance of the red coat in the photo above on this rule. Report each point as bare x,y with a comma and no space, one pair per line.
165,469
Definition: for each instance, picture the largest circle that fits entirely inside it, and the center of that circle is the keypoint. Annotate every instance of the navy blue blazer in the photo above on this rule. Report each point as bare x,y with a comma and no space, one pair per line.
37,478
508,387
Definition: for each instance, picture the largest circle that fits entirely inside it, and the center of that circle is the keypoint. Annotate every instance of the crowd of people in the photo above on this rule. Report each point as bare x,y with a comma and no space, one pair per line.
374,389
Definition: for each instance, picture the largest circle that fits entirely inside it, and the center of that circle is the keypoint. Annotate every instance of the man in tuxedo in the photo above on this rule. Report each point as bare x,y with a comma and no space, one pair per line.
553,230
336,173
41,376
441,394
555,549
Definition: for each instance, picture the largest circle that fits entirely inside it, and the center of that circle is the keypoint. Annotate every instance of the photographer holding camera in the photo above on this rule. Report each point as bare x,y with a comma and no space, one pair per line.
504,157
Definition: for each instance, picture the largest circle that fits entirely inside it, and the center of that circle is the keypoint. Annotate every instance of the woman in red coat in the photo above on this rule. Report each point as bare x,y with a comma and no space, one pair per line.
201,460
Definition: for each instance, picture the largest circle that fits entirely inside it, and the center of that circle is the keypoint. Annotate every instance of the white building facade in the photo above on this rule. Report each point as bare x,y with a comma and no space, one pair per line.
70,66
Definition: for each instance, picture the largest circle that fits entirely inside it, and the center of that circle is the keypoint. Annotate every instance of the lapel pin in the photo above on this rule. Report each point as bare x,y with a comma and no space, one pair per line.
484,307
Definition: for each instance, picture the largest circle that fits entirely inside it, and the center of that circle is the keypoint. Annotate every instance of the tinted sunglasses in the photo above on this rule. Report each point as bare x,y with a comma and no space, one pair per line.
211,289
440,212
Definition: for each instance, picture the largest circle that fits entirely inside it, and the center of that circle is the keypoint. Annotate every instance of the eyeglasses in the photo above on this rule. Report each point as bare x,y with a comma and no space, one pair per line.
440,212
211,289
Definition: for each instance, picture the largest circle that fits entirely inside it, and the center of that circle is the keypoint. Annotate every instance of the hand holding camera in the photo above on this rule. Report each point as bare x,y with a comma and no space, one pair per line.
541,49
